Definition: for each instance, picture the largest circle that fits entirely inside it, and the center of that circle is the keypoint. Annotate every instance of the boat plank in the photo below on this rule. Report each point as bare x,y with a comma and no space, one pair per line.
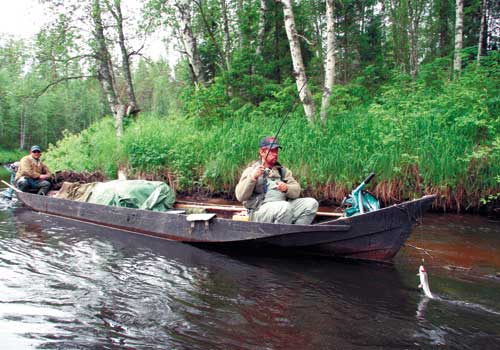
233,208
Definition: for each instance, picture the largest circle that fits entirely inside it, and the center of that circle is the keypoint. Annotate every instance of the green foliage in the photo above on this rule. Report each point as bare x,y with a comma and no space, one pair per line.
491,197
8,156
93,149
441,134
30,116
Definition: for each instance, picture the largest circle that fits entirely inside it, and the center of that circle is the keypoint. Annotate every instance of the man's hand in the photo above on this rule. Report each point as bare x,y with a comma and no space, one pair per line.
258,172
44,177
281,186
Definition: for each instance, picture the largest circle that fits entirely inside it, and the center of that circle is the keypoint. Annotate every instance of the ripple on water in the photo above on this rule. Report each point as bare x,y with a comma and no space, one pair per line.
82,287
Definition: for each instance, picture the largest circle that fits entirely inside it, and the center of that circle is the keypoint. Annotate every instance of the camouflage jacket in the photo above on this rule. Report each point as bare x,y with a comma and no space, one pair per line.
252,193
32,168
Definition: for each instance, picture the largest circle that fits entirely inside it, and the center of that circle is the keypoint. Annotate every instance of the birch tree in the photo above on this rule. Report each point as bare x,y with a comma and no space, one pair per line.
115,9
459,26
415,10
105,73
482,30
261,27
227,34
298,63
329,59
189,42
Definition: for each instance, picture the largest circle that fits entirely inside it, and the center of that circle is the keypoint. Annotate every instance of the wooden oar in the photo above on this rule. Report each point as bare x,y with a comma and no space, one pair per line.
235,208
10,186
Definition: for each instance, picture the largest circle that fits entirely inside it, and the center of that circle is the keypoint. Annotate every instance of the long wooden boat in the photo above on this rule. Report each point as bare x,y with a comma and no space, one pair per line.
375,236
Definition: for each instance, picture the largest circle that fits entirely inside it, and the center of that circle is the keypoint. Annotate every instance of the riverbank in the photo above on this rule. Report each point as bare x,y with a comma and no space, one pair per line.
422,136
197,159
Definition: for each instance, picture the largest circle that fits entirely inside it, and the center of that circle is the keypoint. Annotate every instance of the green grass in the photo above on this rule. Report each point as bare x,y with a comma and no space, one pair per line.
417,138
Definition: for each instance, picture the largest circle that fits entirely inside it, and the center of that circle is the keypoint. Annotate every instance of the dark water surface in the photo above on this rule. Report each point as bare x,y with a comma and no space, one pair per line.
65,285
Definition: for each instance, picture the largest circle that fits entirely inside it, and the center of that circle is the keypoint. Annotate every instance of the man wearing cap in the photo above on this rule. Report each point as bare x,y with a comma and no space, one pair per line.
269,191
32,173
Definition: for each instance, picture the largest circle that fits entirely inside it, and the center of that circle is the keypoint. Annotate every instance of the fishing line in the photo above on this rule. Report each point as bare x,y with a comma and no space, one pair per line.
283,122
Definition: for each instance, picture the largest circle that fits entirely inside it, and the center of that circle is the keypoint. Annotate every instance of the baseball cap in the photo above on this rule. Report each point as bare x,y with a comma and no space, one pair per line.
35,148
269,141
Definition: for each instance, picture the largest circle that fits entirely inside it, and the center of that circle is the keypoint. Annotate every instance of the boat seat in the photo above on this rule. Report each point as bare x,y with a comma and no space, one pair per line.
193,218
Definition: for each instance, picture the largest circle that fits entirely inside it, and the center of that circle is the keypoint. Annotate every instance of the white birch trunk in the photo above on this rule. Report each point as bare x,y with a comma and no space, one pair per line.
298,63
118,16
329,59
119,115
105,73
22,131
227,35
480,48
262,27
189,41
459,24
415,9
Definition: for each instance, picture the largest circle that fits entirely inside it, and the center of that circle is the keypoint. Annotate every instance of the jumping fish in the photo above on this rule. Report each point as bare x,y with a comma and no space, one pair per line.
424,281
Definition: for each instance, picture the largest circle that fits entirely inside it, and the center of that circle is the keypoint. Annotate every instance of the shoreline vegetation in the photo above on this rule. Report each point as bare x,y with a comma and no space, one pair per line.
10,156
430,135
408,90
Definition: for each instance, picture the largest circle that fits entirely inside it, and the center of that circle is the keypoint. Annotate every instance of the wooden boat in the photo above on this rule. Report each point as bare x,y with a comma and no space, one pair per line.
374,236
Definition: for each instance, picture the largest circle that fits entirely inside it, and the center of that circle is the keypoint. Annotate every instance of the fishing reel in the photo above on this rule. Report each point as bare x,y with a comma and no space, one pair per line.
267,171
360,201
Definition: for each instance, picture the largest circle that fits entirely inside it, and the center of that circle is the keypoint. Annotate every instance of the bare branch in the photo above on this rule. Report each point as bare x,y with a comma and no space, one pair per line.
68,59
310,43
136,52
41,92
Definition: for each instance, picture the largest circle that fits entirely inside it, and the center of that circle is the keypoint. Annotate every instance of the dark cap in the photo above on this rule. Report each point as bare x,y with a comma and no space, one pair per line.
269,142
35,148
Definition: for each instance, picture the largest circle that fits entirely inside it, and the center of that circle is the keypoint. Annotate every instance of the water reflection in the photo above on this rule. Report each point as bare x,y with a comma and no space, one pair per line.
70,285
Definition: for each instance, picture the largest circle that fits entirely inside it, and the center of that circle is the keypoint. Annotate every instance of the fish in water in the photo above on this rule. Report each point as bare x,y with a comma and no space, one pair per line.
424,281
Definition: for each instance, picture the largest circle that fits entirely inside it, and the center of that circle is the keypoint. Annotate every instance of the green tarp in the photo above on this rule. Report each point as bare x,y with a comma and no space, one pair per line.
141,194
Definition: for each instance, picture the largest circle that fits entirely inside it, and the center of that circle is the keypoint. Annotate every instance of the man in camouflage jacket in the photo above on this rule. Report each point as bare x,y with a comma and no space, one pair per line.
269,191
32,173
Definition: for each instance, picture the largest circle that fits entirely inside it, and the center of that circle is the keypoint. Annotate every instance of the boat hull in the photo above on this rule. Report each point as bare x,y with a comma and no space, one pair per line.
376,236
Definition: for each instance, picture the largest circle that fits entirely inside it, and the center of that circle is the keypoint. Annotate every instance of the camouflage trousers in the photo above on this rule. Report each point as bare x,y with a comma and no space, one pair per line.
27,184
299,211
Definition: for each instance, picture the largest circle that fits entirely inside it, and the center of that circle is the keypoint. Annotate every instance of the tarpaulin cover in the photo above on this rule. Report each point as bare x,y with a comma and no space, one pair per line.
141,194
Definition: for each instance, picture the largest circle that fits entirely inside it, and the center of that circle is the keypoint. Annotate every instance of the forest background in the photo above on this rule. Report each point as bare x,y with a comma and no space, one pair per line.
406,88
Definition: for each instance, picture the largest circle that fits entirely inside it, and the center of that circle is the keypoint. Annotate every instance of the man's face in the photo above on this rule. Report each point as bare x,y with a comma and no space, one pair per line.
272,157
36,154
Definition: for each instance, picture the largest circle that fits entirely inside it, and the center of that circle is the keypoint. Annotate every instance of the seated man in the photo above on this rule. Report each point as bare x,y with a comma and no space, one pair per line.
269,191
32,173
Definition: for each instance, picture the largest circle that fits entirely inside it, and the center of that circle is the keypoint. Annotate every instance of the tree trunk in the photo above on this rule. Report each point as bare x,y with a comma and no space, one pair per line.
277,54
298,63
481,49
399,18
459,20
119,115
105,73
261,28
227,36
415,8
22,131
239,11
117,14
189,42
329,59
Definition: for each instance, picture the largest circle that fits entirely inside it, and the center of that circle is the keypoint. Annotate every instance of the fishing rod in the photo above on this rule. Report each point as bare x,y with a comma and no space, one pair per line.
283,122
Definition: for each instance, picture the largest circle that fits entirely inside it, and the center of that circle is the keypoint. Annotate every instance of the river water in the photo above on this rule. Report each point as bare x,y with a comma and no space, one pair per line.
65,285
